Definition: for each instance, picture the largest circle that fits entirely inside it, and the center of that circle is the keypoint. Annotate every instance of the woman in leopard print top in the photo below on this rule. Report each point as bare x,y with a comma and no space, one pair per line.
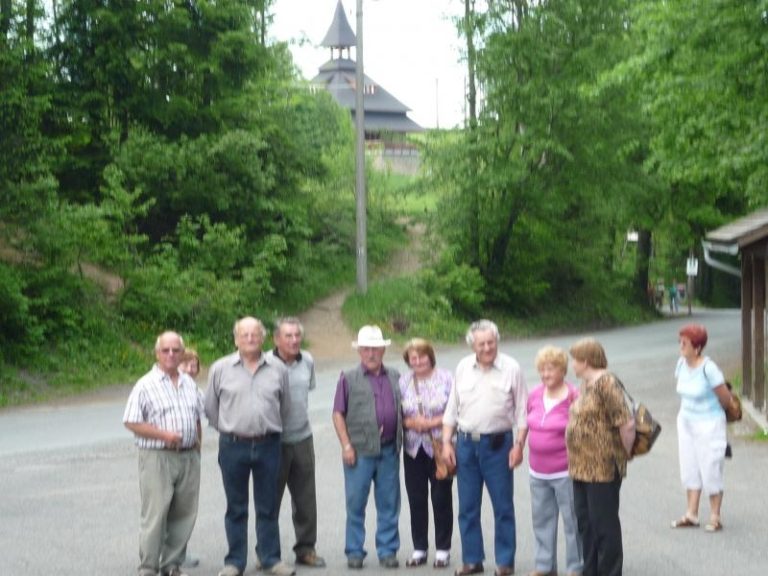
597,458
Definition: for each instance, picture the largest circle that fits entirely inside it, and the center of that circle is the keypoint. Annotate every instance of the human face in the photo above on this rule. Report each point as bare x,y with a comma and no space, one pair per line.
552,376
371,357
191,367
288,341
419,363
687,350
168,353
485,347
579,366
249,338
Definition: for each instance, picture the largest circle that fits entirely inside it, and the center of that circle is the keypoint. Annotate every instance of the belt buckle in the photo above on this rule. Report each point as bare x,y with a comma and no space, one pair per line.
475,436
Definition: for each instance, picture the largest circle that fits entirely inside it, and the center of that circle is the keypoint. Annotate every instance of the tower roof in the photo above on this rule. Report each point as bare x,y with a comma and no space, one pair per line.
340,34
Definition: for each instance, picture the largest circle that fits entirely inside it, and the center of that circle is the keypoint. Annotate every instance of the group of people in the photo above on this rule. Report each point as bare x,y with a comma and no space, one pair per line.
477,420
258,403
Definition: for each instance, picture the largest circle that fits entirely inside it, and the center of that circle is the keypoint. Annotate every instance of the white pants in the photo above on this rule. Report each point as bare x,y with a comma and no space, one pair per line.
701,445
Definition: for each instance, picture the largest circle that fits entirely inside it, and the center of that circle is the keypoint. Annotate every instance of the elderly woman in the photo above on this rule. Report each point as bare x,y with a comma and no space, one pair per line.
701,434
190,363
551,486
598,449
425,389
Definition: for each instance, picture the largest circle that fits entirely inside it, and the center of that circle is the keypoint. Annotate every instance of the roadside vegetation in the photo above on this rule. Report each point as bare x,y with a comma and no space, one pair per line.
181,174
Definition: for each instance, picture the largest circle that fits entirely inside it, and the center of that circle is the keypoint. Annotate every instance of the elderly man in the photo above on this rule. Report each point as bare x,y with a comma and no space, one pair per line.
488,399
297,468
247,401
368,422
163,412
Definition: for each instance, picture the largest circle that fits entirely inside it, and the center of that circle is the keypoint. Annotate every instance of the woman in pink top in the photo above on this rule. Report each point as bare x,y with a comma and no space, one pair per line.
551,487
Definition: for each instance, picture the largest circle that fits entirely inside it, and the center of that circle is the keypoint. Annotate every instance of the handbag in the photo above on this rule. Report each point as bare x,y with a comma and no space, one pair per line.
443,469
647,429
733,410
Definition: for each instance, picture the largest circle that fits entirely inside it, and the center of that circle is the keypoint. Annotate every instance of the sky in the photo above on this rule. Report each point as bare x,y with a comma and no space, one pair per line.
410,48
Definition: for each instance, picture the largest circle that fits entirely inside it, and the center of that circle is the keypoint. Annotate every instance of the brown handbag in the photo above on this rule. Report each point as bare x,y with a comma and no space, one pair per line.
443,469
733,410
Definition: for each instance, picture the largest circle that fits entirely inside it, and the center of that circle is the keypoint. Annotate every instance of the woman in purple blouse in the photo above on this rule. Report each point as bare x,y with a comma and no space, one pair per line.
425,391
551,487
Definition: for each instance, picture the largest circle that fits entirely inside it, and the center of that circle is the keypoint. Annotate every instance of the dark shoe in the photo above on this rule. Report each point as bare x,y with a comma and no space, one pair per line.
441,563
389,562
470,569
311,559
504,571
355,563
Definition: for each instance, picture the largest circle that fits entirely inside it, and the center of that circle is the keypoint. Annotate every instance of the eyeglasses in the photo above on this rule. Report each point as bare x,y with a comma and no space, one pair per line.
170,350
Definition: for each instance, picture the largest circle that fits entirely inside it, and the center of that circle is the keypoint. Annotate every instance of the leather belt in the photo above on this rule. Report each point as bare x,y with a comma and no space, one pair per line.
262,438
477,436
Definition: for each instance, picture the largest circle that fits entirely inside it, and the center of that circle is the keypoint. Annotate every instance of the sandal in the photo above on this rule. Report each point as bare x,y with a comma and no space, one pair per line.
415,561
684,522
713,526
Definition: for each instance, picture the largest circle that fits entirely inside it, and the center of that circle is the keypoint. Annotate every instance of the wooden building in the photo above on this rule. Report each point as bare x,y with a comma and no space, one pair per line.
385,116
747,237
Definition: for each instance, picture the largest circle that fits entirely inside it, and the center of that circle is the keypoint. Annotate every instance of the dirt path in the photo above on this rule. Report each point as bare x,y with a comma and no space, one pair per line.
328,336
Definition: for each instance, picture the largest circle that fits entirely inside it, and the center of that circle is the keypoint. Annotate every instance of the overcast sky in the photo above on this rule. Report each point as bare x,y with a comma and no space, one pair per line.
410,48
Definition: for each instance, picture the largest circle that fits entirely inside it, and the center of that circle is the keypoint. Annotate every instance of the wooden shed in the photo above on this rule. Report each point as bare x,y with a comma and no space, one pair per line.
747,237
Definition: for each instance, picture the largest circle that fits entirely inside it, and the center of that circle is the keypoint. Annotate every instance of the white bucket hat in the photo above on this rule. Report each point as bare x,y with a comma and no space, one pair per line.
370,337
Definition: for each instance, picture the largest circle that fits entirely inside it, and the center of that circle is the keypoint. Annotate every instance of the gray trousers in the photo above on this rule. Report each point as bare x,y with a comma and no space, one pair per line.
297,471
169,482
550,499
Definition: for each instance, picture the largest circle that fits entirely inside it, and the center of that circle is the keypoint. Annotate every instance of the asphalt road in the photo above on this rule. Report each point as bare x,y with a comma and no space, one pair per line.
69,499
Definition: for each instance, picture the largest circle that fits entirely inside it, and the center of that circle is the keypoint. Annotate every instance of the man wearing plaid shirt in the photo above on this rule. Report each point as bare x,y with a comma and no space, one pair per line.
164,413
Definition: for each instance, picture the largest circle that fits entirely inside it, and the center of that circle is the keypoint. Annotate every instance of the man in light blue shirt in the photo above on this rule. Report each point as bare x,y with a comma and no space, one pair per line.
297,469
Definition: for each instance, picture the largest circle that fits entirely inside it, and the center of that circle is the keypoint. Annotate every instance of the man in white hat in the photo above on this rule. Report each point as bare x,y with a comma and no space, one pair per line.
368,422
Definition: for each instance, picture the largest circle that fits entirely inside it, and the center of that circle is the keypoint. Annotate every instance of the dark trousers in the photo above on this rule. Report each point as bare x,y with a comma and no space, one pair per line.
419,477
297,471
597,513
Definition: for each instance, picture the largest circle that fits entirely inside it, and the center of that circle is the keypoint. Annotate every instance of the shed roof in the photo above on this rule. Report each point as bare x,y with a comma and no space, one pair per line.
742,232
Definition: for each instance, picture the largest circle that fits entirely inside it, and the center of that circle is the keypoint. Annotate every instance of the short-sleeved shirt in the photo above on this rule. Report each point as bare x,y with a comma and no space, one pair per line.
696,388
432,396
547,453
156,400
595,450
487,401
244,403
301,379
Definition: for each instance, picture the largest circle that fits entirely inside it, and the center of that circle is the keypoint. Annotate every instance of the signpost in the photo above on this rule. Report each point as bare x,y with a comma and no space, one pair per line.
692,270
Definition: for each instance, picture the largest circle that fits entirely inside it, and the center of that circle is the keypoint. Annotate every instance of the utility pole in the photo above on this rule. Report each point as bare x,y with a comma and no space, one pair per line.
360,193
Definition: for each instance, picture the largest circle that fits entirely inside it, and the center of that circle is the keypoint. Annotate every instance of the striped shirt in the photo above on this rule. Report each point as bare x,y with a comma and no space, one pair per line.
155,400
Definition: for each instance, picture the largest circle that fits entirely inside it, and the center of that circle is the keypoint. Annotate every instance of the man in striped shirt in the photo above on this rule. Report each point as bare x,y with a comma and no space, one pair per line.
164,413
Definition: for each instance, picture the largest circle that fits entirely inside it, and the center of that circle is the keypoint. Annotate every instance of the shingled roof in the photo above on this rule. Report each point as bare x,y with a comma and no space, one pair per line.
742,232
383,112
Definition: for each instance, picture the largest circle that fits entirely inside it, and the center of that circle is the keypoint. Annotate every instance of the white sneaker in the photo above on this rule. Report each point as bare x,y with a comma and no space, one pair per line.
229,570
282,569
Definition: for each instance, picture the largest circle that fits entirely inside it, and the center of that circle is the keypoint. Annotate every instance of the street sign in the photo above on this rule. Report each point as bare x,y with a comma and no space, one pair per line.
692,267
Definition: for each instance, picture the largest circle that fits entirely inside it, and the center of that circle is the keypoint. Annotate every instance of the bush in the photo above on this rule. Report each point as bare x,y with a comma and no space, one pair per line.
19,330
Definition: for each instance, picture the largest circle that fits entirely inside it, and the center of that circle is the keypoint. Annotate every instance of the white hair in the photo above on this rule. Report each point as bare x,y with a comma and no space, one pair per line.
481,326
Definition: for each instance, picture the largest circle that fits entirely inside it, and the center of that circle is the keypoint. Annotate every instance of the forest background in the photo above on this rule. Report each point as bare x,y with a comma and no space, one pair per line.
165,166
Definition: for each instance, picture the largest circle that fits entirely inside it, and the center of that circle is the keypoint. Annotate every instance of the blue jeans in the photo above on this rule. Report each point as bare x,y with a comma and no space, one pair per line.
478,462
384,471
240,460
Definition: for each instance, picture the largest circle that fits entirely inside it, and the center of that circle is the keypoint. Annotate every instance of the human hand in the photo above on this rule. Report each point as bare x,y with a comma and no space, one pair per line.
348,455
